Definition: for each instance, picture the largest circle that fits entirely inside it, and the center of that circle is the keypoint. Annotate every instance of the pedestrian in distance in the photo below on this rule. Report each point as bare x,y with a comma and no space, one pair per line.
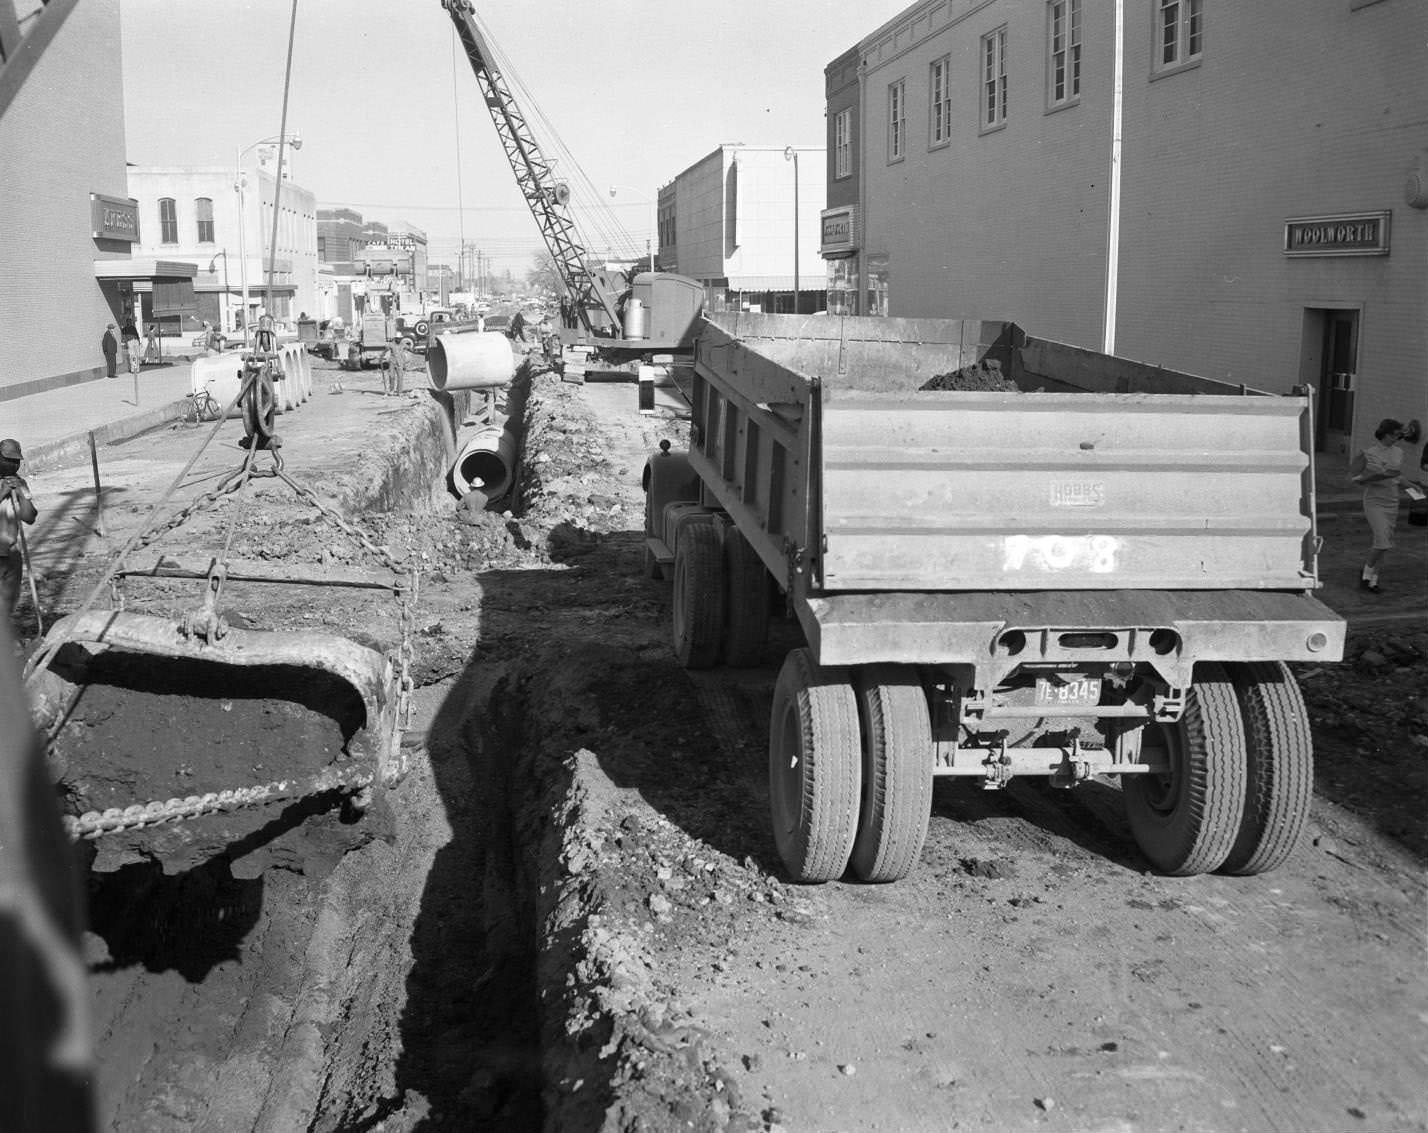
110,345
1378,468
130,334
16,507
151,343
517,329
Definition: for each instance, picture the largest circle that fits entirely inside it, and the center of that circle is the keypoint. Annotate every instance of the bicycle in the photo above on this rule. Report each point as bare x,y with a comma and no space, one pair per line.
201,406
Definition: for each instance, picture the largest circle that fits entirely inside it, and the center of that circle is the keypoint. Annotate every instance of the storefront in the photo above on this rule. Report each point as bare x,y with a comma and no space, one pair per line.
839,249
151,291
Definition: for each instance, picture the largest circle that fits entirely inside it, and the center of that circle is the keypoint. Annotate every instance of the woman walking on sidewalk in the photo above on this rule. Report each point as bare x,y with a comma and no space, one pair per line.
130,334
1378,468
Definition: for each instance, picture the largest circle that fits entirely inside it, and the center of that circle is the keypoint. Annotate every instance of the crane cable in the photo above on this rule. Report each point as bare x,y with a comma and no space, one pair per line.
282,143
598,217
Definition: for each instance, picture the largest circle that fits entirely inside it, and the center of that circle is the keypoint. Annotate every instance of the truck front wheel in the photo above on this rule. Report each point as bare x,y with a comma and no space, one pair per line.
1280,781
698,595
815,768
897,773
1187,818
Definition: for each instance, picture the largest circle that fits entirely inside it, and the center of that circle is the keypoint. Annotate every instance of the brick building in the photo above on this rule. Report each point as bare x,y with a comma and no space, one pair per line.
67,225
1253,207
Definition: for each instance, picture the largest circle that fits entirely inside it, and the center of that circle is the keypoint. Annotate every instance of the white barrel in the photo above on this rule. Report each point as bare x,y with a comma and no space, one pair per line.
306,359
635,318
480,360
220,375
485,464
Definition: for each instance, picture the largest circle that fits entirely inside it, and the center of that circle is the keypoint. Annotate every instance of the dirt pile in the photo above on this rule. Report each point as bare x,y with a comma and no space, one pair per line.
1370,721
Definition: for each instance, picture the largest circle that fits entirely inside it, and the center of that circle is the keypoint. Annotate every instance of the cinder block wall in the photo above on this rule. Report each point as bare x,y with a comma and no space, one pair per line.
60,139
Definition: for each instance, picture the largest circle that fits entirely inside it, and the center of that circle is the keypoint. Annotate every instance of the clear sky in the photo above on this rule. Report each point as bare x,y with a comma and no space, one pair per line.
633,92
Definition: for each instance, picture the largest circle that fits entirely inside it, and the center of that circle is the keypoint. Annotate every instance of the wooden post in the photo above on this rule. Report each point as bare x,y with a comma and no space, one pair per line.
98,489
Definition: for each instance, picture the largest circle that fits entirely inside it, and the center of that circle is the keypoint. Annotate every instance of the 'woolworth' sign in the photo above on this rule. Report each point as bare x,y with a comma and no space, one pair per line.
1343,234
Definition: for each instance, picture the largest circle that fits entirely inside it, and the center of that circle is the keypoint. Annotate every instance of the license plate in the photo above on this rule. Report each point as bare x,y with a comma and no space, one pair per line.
1076,692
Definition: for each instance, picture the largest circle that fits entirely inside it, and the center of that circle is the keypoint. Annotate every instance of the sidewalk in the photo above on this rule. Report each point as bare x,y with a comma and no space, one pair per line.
53,427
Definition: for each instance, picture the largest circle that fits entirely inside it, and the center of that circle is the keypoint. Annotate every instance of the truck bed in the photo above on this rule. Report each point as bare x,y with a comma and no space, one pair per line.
819,433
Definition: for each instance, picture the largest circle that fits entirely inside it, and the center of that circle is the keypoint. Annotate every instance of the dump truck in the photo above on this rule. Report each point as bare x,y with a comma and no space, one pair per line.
1008,557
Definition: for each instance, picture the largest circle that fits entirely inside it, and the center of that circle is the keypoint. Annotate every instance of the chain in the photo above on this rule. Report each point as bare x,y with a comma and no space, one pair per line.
96,824
406,595
116,820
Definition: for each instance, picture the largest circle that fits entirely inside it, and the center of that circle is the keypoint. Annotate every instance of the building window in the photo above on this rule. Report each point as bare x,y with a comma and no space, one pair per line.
994,79
1180,33
897,120
1063,43
203,206
940,102
843,143
168,221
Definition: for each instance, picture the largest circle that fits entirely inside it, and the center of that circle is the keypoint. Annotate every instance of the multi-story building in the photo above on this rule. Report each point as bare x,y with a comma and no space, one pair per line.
1237,190
68,228
339,239
201,216
744,221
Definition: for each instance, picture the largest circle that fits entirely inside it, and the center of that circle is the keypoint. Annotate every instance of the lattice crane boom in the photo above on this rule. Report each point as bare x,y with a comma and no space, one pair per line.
535,179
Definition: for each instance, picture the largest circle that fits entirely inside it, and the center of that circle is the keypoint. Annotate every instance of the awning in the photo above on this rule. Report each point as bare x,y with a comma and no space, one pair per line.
134,269
773,282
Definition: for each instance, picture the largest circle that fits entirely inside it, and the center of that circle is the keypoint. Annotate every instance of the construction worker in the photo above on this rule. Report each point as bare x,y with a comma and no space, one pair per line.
394,366
16,508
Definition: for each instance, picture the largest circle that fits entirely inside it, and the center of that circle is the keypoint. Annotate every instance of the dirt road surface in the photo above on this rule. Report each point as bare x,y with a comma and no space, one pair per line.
575,917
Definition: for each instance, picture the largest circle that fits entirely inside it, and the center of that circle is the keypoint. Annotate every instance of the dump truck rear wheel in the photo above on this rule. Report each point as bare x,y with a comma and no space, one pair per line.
746,624
897,773
1280,767
815,768
1187,819
698,595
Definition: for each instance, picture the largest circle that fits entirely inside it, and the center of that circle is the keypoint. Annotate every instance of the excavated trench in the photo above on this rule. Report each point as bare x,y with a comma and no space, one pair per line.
307,966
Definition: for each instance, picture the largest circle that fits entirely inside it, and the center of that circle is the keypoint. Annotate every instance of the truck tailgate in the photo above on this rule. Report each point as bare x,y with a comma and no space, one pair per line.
1035,491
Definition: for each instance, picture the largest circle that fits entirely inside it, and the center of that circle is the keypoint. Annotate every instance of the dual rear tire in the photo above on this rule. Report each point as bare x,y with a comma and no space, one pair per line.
850,770
1240,775
721,597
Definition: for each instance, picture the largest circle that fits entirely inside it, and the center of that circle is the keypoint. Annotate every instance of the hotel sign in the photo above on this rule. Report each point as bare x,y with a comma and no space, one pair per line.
1342,234
839,231
113,218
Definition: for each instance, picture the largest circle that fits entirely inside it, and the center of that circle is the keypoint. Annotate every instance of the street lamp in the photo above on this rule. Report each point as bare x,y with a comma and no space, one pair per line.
212,267
294,140
654,218
791,154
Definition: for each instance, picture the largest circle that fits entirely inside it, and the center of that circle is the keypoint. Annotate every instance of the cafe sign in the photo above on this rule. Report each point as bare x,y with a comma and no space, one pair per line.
113,218
839,231
1342,234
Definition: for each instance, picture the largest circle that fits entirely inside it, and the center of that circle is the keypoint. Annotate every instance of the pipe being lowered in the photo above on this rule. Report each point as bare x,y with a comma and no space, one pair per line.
474,360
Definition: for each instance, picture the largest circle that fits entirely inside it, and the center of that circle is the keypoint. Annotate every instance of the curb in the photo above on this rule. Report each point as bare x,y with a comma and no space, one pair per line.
73,448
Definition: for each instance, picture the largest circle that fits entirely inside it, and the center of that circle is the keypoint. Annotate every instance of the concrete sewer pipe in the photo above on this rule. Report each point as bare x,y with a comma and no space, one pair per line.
474,360
485,464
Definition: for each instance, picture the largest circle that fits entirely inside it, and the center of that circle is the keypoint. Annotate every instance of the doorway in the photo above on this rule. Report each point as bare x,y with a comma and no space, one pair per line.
1330,364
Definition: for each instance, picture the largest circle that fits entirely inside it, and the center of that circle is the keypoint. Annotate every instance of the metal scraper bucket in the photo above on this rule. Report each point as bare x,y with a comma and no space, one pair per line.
230,747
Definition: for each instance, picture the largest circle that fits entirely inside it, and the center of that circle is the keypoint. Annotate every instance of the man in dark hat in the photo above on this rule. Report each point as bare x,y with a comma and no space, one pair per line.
110,344
16,508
